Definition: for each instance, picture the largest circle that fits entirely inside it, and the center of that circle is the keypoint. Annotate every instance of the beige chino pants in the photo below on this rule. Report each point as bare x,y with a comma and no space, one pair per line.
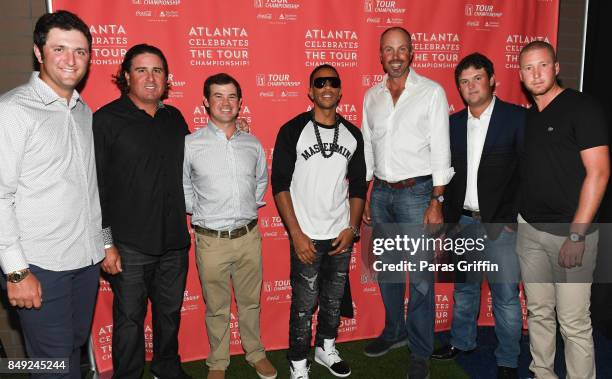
223,263
554,292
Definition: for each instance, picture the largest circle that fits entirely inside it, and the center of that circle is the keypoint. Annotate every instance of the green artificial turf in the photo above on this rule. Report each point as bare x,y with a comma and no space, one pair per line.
393,365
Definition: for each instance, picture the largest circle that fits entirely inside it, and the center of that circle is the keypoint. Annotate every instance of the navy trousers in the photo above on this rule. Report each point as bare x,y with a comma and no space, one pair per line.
61,326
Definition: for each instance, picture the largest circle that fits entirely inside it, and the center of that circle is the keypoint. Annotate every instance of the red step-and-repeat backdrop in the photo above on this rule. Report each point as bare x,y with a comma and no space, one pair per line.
270,47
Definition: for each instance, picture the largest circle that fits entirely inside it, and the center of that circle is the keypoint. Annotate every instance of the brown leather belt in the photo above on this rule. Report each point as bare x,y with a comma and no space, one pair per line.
473,214
231,234
406,183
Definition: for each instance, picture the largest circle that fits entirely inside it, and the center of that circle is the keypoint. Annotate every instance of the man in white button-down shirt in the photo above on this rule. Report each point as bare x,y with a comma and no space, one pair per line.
51,228
405,130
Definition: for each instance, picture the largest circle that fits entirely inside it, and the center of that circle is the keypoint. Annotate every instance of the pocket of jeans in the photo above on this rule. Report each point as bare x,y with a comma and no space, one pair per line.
423,188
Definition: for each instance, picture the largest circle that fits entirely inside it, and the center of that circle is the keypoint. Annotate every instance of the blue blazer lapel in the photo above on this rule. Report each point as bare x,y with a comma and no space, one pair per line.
461,133
495,127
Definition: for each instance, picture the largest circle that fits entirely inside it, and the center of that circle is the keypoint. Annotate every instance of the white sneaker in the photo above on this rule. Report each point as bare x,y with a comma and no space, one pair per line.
329,357
299,369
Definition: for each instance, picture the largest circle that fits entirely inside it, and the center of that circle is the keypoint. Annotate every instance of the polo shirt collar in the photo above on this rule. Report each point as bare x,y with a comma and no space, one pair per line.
46,94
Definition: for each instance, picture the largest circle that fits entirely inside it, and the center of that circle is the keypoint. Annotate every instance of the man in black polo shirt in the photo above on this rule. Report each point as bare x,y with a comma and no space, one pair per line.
139,145
565,170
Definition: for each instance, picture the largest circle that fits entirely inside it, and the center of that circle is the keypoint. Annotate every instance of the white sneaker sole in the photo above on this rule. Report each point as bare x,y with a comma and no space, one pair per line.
330,370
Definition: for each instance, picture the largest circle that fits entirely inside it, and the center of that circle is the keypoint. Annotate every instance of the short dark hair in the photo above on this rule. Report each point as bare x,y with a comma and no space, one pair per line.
63,20
537,44
477,61
319,68
220,79
398,29
134,51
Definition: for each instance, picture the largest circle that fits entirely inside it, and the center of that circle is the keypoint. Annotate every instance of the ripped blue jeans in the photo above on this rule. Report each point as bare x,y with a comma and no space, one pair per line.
322,283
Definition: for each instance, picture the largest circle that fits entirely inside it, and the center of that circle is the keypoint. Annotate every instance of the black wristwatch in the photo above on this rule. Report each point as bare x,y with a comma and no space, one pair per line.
17,276
576,237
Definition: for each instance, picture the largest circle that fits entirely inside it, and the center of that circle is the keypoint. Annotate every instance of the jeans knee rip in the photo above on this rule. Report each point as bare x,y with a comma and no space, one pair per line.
311,280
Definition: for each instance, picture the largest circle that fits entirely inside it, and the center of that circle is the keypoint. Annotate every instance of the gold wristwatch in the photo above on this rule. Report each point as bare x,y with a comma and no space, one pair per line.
17,276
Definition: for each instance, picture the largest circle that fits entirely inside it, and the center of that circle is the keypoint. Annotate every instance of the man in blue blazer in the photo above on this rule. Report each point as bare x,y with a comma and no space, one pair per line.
481,202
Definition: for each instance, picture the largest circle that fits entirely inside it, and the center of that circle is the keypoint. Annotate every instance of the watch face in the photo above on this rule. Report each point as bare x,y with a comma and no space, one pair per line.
575,237
16,277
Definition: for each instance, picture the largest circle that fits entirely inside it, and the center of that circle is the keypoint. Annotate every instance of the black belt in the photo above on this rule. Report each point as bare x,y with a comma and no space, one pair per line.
231,234
473,214
406,183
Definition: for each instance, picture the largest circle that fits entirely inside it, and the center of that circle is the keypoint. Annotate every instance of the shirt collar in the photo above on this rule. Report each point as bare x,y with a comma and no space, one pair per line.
221,133
46,94
130,104
487,112
412,79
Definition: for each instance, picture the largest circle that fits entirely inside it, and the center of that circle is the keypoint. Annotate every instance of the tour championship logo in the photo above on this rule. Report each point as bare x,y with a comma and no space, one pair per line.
109,43
374,9
284,82
368,282
514,44
276,4
276,10
383,6
331,46
485,16
370,80
224,46
272,226
151,9
277,291
436,50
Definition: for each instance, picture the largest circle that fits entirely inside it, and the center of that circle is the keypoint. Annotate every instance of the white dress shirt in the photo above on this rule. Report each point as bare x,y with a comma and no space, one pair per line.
476,135
49,202
410,138
224,180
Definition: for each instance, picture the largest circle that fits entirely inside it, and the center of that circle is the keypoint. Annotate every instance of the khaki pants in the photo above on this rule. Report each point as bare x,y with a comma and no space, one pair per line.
221,261
538,254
